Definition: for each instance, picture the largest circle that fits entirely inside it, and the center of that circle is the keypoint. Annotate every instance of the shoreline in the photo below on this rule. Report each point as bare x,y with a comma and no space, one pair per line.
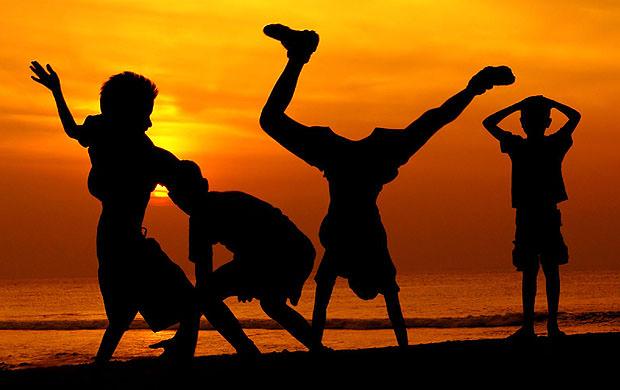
579,354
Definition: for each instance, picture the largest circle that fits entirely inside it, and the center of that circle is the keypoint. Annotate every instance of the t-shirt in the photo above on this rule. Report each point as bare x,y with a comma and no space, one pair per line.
537,169
123,165
125,168
356,172
244,224
383,150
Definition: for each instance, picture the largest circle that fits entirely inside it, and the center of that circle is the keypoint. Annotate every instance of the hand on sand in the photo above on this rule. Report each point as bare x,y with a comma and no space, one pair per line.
174,353
48,78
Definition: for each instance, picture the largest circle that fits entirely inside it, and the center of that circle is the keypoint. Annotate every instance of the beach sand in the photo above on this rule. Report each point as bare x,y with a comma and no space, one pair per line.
593,357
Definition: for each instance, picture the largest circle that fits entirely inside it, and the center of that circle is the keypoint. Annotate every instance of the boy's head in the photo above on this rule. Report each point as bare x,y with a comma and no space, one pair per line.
535,116
127,98
187,185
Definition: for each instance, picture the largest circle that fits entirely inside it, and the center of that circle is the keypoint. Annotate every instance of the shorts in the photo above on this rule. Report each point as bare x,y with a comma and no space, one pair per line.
277,274
144,279
367,275
538,238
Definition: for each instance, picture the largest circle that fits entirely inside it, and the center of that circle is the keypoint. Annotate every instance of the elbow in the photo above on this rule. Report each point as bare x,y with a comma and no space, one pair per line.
266,119
269,119
488,123
72,132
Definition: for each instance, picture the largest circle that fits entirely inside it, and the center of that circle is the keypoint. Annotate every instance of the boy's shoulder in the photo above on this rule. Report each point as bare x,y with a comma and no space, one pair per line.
510,142
241,203
560,141
91,130
237,197
94,120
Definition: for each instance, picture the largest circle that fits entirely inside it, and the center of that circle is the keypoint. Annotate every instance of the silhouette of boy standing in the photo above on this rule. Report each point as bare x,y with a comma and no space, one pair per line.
537,188
135,275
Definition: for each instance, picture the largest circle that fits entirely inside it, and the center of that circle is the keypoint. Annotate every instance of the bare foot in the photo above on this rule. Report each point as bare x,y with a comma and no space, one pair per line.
523,334
555,332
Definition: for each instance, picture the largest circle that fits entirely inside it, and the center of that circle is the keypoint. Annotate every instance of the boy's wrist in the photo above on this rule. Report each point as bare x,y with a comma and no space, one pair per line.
56,91
474,90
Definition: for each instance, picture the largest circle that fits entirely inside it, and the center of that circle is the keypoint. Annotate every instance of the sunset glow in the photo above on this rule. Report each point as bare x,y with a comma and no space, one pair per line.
379,64
159,192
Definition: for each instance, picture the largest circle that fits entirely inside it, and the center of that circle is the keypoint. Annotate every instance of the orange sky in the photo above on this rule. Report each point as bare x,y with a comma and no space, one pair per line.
378,64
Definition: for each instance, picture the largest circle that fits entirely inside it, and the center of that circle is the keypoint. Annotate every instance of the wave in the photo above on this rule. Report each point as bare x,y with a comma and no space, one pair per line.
482,321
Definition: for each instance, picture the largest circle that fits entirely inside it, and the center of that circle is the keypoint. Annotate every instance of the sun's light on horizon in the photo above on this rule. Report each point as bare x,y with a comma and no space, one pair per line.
159,192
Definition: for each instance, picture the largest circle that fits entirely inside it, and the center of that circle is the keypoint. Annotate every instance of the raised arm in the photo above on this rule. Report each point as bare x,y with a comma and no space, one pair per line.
49,79
431,121
491,123
573,116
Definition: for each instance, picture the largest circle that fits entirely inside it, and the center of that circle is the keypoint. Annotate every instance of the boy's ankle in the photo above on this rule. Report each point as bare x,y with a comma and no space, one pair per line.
528,323
523,334
553,327
248,349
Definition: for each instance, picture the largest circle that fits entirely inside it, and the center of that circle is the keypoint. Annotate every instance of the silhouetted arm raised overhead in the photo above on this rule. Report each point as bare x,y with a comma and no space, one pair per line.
422,129
491,123
49,79
573,116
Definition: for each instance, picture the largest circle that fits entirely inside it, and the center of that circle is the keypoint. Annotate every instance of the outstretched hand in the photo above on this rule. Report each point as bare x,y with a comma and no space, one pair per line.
45,76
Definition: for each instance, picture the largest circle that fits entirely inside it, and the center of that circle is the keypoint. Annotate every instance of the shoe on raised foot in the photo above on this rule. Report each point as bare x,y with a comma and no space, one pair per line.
490,77
299,43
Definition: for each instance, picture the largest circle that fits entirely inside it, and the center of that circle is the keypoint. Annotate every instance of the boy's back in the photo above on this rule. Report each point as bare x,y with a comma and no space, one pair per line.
240,221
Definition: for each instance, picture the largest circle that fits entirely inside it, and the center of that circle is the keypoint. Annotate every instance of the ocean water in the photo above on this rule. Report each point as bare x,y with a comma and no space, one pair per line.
61,321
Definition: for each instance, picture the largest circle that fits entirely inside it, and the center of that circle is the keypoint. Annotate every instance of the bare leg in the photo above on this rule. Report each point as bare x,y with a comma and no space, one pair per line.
225,322
528,292
290,320
109,342
273,118
187,336
395,313
322,296
423,128
111,338
528,296
552,279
